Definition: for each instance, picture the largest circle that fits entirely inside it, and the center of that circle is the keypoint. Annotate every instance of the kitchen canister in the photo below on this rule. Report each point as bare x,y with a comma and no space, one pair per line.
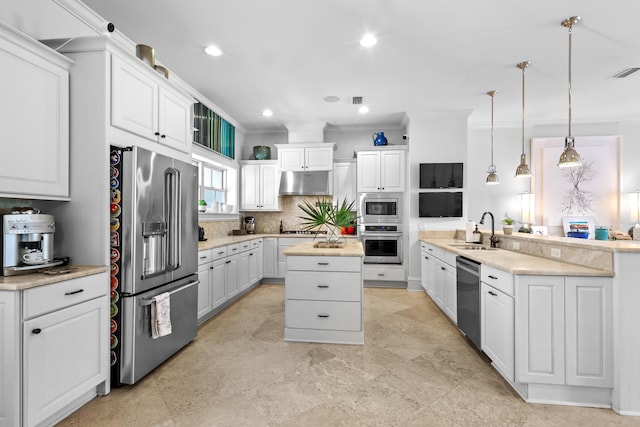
602,233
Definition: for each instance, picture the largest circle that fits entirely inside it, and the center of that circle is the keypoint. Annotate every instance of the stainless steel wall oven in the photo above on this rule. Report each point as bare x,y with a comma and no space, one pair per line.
382,243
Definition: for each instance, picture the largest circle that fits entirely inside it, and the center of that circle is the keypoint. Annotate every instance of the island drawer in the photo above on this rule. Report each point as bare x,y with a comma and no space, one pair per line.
204,256
323,263
326,315
499,279
48,298
329,286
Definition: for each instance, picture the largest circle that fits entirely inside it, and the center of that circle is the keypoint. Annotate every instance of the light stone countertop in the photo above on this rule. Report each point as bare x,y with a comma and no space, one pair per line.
216,242
32,280
518,263
352,249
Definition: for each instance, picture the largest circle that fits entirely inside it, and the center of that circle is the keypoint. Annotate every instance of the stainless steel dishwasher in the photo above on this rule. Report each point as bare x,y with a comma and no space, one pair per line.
468,296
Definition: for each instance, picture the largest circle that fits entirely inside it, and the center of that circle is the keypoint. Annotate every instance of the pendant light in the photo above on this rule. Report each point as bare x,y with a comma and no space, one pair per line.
492,178
569,157
523,170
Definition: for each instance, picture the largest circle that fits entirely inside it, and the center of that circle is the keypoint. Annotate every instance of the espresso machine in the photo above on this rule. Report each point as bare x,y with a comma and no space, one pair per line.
27,242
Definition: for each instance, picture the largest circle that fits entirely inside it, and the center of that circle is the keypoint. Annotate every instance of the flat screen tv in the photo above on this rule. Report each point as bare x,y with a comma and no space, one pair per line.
441,175
442,204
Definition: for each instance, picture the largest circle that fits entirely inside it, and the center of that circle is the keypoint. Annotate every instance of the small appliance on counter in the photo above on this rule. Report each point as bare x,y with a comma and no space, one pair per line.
250,224
470,226
201,237
27,242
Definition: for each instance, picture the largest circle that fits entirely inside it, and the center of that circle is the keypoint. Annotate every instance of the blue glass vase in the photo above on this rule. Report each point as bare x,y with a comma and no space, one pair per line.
379,139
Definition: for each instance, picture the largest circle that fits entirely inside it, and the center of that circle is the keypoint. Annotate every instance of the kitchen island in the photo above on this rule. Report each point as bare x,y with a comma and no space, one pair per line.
323,294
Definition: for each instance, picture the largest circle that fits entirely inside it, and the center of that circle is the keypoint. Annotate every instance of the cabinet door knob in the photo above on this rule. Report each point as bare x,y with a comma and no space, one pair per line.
163,136
156,133
36,331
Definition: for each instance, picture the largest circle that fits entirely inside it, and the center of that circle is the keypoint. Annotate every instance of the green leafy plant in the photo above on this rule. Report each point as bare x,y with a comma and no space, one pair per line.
202,202
324,213
508,220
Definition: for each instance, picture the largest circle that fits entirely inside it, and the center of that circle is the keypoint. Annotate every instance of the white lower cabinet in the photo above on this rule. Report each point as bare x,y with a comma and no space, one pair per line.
225,273
497,328
270,257
323,300
54,349
564,330
439,278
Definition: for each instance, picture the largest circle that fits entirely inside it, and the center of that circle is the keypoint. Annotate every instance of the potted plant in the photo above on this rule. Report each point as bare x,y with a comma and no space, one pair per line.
325,215
202,205
507,224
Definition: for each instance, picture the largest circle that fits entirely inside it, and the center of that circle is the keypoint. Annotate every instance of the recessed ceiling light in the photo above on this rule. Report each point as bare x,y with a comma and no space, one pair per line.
368,40
363,109
331,98
267,113
213,50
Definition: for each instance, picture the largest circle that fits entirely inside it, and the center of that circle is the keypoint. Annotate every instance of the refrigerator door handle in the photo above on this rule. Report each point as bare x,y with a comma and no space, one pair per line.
173,200
149,301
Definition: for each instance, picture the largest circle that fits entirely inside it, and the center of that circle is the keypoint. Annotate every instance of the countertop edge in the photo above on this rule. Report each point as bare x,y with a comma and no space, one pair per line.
216,242
496,259
33,280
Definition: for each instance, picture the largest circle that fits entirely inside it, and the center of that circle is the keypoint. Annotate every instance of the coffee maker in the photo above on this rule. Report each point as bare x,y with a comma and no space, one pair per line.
27,242
250,224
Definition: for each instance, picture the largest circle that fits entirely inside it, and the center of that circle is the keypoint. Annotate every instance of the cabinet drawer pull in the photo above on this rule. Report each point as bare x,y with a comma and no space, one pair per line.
36,331
426,257
228,262
493,277
220,253
234,249
203,257
430,249
380,274
442,268
323,263
163,136
251,254
493,293
74,292
156,133
323,315
323,286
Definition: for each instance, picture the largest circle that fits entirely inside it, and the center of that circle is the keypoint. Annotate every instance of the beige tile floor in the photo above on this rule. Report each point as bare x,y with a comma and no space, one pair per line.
415,369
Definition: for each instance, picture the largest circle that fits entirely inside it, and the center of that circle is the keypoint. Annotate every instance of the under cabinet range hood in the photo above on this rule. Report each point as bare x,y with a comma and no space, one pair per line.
305,183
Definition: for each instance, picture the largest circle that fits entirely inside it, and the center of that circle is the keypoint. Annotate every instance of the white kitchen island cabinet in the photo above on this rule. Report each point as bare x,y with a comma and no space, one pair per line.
323,294
54,344
34,107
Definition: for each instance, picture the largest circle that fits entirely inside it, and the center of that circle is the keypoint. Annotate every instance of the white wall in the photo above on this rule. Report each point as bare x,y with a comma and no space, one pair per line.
349,137
245,151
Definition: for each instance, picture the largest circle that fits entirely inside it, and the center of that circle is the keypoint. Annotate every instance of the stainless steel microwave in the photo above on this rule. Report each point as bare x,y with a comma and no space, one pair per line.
380,208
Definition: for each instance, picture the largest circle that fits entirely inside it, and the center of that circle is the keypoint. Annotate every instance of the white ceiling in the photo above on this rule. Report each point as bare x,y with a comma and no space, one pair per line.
434,55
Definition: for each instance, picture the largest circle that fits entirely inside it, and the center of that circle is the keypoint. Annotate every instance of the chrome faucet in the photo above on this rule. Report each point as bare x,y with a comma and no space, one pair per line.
493,238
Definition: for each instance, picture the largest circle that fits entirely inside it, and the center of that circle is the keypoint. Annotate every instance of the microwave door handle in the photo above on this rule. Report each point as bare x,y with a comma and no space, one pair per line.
173,203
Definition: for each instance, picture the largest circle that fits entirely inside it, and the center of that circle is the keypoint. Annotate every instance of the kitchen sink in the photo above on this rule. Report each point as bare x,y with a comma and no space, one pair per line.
473,247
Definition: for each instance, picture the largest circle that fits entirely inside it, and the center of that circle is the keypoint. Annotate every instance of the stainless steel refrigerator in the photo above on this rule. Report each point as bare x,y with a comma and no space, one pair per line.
154,235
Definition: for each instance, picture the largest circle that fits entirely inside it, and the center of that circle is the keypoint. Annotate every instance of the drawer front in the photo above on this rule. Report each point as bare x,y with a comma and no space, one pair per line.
244,246
48,298
326,315
382,273
330,286
233,249
218,253
204,256
255,243
324,263
499,279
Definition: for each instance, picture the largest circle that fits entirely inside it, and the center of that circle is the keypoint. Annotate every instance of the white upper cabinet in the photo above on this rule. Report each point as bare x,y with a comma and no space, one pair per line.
34,107
141,105
344,183
260,184
305,157
381,171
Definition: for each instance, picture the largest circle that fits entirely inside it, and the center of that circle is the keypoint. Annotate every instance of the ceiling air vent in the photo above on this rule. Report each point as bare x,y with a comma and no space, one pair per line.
356,100
625,73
